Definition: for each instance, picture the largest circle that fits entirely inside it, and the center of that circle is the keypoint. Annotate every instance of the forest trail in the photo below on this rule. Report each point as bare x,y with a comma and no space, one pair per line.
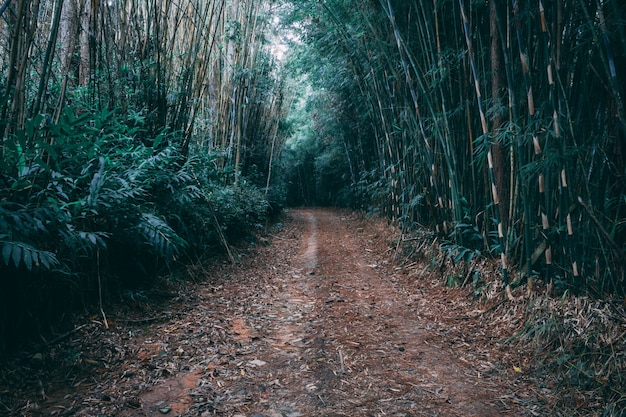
318,323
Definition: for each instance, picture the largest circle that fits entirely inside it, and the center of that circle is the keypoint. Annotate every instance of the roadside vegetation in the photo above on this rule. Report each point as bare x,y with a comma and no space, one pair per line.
140,136
498,128
136,137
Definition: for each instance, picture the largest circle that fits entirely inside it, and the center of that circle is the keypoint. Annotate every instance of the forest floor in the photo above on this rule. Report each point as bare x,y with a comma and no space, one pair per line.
319,321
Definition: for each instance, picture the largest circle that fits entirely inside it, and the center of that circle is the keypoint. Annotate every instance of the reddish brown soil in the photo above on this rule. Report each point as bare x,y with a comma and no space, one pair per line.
320,322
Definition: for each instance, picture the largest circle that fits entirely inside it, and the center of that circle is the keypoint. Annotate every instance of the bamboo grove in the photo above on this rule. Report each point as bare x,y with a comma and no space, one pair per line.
136,135
190,67
499,123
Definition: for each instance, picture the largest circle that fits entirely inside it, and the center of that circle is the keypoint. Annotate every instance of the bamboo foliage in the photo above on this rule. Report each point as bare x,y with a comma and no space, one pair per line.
203,67
134,135
197,73
524,175
485,131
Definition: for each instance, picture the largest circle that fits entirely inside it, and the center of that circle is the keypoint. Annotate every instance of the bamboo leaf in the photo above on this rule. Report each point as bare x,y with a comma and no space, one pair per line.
16,255
47,259
36,257
27,258
7,248
459,256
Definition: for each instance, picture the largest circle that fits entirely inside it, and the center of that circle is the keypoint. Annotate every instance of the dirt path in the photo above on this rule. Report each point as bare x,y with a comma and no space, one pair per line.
319,323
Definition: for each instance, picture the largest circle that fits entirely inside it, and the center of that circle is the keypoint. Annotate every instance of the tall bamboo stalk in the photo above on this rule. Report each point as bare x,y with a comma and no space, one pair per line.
485,131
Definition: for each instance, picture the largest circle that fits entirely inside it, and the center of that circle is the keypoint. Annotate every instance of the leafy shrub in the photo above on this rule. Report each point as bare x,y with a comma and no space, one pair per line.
88,206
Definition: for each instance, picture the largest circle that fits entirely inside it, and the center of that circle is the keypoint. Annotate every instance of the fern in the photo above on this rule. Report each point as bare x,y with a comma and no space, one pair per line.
18,253
458,253
21,228
160,236
84,242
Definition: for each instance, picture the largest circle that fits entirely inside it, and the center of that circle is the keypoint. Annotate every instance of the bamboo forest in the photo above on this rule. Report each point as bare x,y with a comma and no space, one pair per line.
146,141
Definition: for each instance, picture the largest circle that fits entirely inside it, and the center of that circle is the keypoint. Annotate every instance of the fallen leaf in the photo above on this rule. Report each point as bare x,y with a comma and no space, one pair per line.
257,362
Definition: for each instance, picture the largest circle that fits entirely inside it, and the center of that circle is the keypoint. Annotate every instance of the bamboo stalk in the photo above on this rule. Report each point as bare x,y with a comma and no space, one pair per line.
522,158
46,66
410,66
485,131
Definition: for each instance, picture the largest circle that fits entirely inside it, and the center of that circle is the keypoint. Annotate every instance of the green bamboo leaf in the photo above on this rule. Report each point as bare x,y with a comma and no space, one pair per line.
157,140
6,252
35,256
27,258
22,168
42,164
33,124
16,254
47,259
49,149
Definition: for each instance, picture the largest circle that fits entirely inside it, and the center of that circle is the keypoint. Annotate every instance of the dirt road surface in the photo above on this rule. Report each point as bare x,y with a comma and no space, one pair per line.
319,322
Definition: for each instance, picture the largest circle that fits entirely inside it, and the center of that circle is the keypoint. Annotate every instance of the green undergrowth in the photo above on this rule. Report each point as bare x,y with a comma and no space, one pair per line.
89,207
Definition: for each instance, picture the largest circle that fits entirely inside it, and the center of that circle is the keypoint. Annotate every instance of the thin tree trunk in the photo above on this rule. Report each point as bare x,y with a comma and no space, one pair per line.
46,67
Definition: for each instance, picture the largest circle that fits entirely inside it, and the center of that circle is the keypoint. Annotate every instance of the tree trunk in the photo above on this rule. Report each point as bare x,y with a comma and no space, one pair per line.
497,120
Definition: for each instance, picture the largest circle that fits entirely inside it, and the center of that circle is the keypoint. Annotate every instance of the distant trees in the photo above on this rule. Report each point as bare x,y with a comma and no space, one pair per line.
500,124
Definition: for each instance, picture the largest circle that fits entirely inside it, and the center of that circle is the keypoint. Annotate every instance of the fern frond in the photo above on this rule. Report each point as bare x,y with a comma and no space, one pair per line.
160,236
17,253
79,241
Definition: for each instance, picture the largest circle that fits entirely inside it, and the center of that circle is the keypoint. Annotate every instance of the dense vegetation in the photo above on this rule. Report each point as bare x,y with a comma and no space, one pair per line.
500,128
136,136
499,124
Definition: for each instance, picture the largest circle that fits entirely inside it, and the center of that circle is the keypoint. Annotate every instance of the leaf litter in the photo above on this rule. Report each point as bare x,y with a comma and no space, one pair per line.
321,322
